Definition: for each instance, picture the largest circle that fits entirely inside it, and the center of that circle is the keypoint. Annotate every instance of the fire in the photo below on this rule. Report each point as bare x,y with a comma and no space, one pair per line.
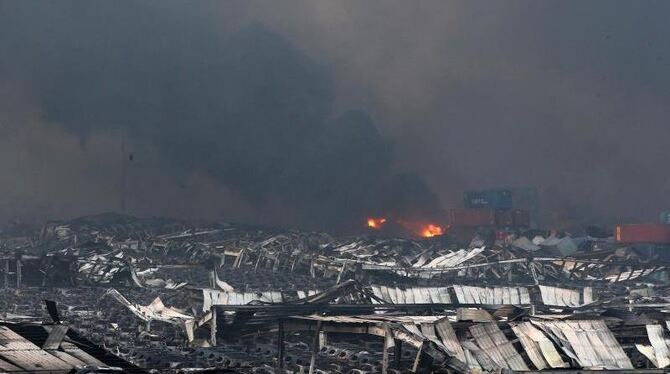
376,223
422,229
430,230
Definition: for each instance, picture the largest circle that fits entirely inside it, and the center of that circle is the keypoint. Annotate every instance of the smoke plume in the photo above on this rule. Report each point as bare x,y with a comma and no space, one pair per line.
314,113
243,108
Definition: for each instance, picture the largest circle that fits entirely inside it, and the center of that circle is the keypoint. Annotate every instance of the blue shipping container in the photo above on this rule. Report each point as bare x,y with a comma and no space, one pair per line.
494,199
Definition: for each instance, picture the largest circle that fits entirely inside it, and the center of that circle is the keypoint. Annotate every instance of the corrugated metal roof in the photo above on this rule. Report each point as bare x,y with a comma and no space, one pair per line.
453,258
20,352
304,294
448,338
492,340
217,297
477,357
470,314
660,343
589,342
560,296
79,354
7,367
67,358
412,295
545,342
539,348
56,335
633,274
492,295
648,352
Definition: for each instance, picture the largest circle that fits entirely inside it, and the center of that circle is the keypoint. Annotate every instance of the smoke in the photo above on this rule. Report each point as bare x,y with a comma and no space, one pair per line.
241,108
251,110
560,95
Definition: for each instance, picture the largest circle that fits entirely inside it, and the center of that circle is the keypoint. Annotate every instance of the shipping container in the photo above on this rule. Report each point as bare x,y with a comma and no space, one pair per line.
521,218
643,233
472,217
494,199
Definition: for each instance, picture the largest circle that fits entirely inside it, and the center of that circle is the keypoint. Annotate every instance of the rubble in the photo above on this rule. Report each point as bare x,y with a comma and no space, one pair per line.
53,348
177,296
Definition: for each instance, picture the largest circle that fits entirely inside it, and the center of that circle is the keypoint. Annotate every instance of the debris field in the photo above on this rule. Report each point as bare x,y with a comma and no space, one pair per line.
166,295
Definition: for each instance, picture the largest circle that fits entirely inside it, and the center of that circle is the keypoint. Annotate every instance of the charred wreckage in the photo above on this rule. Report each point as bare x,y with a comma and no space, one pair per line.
128,294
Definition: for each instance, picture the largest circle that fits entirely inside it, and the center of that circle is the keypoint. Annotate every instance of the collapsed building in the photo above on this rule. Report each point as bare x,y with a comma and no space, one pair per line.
177,296
52,347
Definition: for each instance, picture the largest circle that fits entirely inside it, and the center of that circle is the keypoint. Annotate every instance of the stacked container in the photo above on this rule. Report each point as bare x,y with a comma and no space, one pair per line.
489,208
643,233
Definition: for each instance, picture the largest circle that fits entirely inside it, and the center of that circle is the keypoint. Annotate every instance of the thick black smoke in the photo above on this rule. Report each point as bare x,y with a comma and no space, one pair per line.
566,96
243,107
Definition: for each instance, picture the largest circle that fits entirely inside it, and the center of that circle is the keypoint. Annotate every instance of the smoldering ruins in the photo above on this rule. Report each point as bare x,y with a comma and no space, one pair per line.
179,296
334,187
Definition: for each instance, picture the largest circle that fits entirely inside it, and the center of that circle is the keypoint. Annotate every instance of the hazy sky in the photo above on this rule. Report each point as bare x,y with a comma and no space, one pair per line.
570,97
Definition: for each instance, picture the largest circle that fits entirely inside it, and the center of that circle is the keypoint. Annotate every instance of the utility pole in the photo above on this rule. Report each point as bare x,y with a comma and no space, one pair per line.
124,169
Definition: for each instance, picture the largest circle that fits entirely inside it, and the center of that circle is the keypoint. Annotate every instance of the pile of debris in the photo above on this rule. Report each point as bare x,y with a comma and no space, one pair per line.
178,296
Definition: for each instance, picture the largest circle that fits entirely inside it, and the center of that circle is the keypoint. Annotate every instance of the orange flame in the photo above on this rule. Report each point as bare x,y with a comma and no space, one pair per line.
422,229
430,230
376,223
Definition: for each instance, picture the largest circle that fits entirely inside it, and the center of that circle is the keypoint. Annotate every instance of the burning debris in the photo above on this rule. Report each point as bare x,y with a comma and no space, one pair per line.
416,229
183,296
376,223
431,230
